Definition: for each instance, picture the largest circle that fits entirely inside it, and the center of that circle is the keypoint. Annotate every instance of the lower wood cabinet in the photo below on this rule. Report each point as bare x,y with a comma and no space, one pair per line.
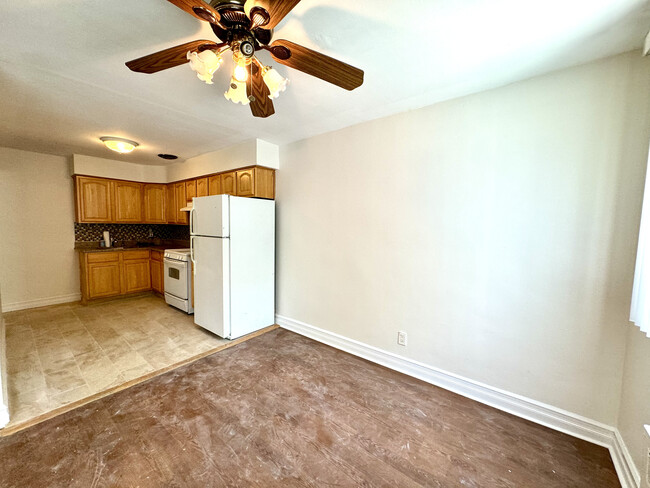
157,272
136,271
103,275
114,273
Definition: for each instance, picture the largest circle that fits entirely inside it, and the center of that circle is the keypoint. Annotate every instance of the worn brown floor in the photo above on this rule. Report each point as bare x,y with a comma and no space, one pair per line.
283,411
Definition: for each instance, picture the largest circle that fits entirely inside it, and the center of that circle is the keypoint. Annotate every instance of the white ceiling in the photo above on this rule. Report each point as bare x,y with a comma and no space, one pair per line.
63,82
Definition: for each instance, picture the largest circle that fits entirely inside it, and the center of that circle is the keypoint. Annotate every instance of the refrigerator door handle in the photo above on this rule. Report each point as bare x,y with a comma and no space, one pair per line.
192,251
192,220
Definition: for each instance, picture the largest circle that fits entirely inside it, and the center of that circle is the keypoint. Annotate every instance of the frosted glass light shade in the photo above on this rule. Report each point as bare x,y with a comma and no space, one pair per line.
237,92
205,64
275,82
117,144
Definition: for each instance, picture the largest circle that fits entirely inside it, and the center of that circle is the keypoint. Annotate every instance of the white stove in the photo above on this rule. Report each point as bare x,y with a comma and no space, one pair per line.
178,279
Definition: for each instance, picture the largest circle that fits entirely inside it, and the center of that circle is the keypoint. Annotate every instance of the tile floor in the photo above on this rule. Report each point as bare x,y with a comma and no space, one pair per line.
64,353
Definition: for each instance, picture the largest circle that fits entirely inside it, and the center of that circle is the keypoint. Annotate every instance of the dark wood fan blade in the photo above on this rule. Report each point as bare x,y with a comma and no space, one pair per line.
262,105
174,56
199,9
316,64
277,9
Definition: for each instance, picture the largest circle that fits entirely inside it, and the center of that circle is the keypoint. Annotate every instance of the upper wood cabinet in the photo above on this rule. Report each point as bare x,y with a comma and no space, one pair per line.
202,187
190,190
102,200
214,185
228,186
245,183
128,202
255,182
181,201
170,201
94,199
155,203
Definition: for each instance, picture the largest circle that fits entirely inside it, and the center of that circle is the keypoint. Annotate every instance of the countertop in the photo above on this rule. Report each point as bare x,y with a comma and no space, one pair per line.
160,245
110,249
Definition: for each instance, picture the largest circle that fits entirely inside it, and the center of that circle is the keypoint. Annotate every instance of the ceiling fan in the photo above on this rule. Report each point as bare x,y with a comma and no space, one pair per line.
245,27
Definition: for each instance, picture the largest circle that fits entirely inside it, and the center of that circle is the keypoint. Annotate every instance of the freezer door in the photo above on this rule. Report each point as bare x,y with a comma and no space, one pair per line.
210,216
212,284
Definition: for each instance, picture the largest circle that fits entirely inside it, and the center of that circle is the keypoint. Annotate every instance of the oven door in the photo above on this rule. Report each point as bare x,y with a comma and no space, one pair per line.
176,278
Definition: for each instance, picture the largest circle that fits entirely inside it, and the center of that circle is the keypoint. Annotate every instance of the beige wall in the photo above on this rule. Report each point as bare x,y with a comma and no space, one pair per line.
497,230
38,265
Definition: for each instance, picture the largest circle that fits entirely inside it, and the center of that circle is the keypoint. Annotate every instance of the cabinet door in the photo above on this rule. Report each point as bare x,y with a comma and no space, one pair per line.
190,190
103,279
181,201
154,204
157,276
94,199
128,201
228,183
245,183
137,275
264,183
214,185
170,209
202,187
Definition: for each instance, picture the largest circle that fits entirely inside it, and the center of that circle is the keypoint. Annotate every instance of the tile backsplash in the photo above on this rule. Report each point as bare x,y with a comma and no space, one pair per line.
130,232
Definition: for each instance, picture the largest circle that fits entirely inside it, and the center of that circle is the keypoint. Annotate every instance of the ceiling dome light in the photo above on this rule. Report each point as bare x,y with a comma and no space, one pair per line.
275,81
118,144
205,64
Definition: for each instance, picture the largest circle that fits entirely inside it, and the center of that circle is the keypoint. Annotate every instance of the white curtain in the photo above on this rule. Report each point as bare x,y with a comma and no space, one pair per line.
640,311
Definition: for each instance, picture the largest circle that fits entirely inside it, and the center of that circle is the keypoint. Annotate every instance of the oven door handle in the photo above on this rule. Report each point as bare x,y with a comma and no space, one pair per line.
192,251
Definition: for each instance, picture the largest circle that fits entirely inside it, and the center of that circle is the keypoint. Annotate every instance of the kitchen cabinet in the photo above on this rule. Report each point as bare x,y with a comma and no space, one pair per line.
181,201
157,272
128,202
103,275
255,182
113,273
94,199
102,200
136,271
202,187
170,201
190,190
214,185
154,203
228,183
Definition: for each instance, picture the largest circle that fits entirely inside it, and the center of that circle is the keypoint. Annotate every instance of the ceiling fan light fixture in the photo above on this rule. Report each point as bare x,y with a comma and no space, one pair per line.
274,81
118,144
237,92
204,64
240,73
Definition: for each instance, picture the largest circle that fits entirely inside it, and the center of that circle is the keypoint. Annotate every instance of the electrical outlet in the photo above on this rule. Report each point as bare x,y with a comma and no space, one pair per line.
401,338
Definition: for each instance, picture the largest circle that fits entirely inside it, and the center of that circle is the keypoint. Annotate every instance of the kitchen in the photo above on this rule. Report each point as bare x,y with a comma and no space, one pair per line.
138,311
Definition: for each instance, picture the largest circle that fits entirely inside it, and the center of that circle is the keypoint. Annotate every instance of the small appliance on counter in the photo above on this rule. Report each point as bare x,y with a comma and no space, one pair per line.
178,279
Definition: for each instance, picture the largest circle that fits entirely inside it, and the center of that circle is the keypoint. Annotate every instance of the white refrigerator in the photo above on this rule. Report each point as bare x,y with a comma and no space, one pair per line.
233,255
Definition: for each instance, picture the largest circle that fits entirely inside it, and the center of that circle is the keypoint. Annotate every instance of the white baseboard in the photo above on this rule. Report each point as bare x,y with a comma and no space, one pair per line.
527,408
4,415
40,302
